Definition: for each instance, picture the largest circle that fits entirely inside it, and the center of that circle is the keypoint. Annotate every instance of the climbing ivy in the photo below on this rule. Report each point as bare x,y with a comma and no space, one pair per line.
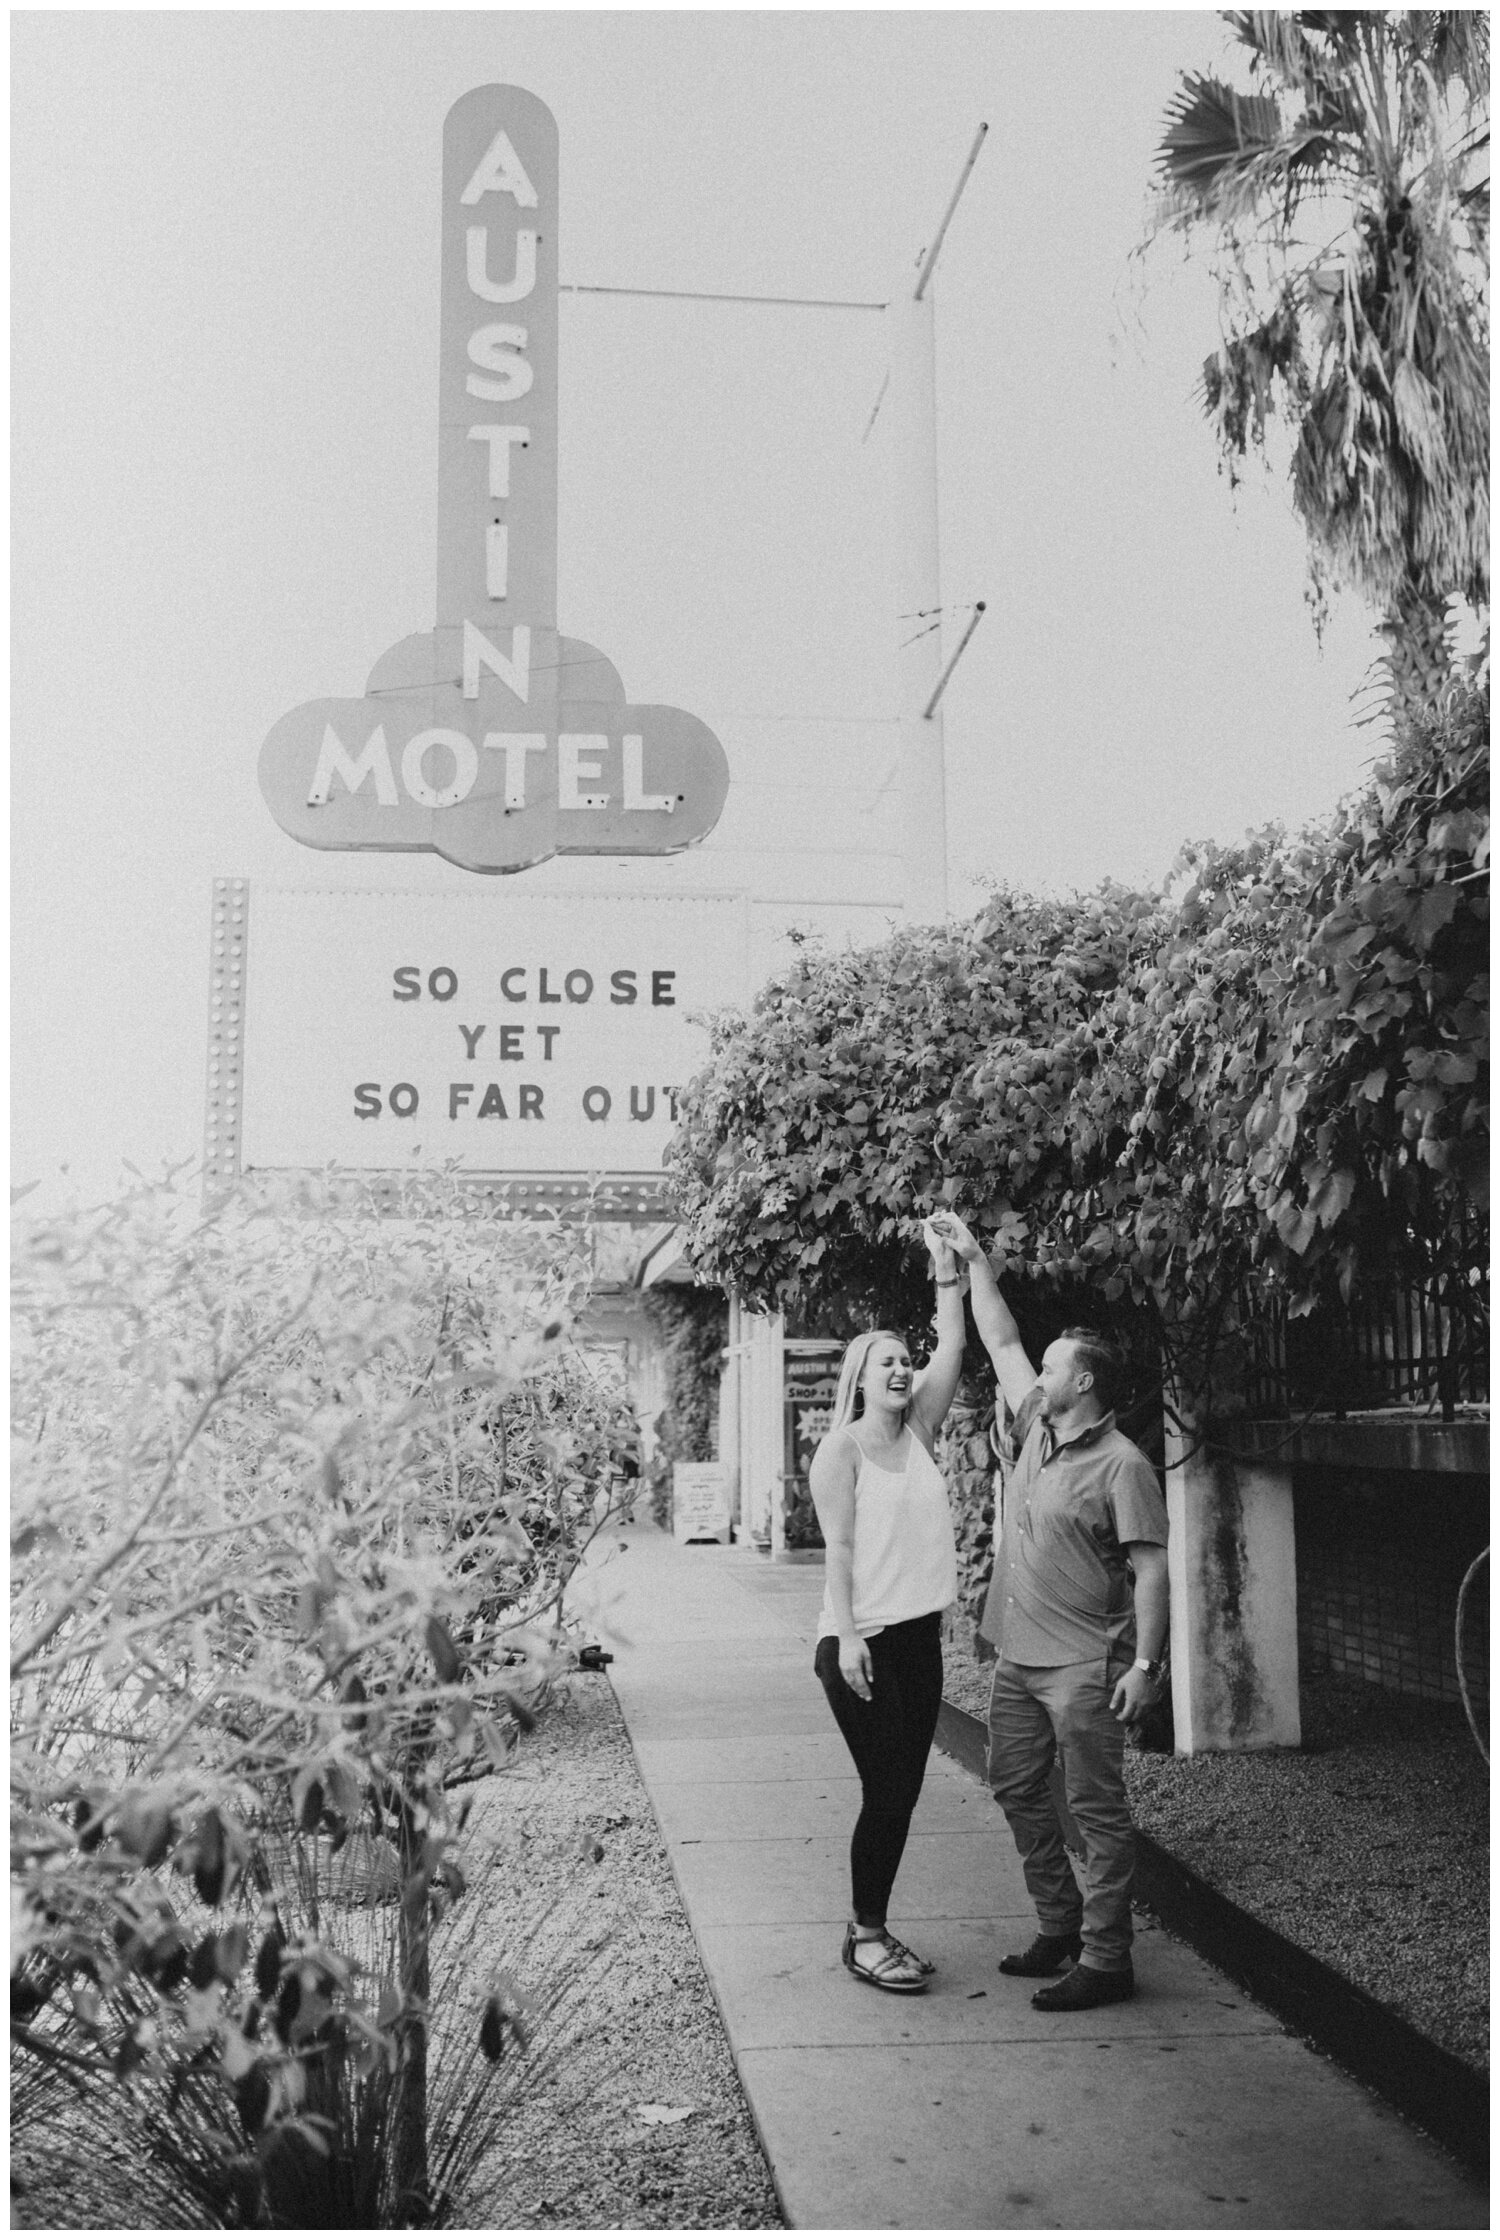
1378,1101
691,1326
1268,1079
820,1129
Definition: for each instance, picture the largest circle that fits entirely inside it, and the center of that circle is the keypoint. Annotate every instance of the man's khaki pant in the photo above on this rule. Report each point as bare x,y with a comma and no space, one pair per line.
1036,1712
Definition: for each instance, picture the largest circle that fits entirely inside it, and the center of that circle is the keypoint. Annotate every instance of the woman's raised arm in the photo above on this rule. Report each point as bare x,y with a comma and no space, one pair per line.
992,1317
936,1383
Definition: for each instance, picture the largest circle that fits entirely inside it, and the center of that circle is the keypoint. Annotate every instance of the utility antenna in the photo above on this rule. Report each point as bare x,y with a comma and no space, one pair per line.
973,625
931,258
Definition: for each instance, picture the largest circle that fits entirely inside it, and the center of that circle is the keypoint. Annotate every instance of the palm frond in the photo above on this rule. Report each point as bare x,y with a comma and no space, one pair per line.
1371,341
1304,52
1211,128
1475,203
1472,145
1455,45
1226,156
1275,43
1240,385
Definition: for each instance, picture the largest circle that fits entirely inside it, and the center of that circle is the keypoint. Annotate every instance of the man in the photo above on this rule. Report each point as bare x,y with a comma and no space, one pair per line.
1078,1648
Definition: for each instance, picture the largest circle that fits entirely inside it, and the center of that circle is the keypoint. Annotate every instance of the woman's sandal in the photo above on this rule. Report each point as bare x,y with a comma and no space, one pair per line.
928,1967
890,1967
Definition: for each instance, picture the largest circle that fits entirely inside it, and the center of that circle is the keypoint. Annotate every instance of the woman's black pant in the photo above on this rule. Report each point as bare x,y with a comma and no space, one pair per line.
889,1738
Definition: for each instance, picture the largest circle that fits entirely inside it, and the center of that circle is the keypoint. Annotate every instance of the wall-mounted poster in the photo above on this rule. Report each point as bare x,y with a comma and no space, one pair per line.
811,1379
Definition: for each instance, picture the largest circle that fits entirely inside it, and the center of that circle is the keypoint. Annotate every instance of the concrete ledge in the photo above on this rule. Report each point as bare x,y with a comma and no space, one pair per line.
1423,2081
1378,1441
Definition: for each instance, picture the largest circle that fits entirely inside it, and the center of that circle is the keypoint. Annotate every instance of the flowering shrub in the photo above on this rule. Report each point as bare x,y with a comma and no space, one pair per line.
297,1491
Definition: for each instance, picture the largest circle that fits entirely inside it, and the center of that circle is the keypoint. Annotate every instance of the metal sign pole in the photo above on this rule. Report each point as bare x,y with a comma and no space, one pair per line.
924,815
913,388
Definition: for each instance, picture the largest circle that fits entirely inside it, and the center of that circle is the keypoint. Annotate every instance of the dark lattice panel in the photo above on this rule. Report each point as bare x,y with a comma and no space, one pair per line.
1380,1559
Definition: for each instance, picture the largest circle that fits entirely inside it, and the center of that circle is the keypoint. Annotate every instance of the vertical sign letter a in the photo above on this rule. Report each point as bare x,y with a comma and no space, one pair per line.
501,171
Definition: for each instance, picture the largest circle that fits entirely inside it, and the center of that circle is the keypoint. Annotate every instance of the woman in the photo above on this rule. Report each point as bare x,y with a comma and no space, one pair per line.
890,1570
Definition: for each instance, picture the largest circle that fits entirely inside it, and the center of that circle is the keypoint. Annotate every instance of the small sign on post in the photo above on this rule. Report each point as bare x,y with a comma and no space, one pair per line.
700,1500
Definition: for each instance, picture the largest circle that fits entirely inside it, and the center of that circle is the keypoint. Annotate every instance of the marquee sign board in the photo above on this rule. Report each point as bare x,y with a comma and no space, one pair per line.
535,1038
493,740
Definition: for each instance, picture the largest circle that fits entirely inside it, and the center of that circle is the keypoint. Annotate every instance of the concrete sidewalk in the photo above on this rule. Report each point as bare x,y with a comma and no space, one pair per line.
962,2109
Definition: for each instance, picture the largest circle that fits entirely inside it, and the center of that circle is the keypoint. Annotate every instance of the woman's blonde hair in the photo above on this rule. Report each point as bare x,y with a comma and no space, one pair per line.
848,1400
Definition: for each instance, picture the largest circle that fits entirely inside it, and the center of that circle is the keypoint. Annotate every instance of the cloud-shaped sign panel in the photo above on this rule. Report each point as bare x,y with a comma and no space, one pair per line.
495,766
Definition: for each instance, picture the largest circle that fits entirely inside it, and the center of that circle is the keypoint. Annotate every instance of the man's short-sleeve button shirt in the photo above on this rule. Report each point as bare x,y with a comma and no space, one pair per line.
1062,1593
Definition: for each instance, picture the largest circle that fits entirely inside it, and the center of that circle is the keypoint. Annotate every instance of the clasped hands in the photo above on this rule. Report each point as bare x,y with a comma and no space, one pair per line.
946,1233
946,1237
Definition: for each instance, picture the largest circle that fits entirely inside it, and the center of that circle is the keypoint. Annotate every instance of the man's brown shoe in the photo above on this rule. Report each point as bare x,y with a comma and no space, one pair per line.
1044,1956
1085,1987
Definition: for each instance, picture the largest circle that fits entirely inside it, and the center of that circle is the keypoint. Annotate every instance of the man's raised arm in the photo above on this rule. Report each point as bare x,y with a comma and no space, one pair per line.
992,1317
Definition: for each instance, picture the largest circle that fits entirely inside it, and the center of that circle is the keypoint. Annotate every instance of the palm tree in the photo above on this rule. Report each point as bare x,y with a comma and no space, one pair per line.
1350,235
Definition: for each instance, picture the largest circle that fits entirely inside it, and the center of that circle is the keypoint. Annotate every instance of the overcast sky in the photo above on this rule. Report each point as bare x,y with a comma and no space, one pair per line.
225,324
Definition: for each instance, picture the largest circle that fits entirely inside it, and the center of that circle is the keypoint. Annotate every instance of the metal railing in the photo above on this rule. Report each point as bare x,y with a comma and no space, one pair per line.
1422,1349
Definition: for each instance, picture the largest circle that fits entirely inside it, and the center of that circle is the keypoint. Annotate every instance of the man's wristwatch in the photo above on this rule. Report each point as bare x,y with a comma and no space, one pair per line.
1153,1667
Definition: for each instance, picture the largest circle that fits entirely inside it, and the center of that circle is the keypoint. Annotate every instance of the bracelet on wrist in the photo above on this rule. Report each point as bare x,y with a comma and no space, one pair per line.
947,1283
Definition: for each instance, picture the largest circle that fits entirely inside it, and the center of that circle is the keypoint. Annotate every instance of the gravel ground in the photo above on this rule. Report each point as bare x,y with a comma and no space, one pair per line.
636,2119
1368,1847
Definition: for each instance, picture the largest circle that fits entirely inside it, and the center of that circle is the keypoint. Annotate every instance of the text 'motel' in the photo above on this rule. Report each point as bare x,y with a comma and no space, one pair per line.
492,740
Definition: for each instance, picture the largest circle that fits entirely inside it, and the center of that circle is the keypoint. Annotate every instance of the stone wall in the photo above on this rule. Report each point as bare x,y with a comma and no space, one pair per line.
963,1453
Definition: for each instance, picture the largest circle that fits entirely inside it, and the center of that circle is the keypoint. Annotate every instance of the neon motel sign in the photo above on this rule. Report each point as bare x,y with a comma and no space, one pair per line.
493,740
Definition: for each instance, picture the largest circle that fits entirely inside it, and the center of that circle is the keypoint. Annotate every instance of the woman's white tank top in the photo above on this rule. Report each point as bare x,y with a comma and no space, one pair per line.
905,1563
